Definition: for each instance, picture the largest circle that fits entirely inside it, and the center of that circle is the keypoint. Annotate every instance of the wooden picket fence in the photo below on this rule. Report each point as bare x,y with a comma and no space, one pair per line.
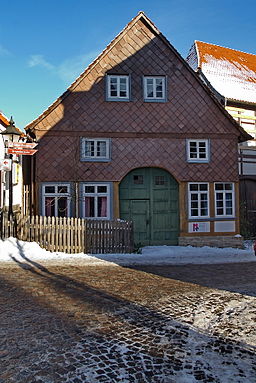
71,235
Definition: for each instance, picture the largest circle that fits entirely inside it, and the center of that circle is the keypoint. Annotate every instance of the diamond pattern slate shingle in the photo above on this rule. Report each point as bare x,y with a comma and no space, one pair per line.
130,153
189,111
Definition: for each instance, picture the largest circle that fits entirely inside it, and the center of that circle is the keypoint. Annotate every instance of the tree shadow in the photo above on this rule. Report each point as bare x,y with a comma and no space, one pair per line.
49,314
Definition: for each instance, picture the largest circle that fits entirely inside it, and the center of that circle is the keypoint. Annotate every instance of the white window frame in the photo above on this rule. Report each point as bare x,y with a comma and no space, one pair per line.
199,193
96,194
197,158
154,97
95,157
56,195
118,97
224,192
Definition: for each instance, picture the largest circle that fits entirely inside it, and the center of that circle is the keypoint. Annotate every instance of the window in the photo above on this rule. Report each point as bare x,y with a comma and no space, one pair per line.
154,88
198,150
56,200
224,199
160,180
198,200
138,179
118,88
96,200
95,149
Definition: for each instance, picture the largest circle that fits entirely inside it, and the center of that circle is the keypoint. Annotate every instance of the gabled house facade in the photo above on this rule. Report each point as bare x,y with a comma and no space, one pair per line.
231,75
138,136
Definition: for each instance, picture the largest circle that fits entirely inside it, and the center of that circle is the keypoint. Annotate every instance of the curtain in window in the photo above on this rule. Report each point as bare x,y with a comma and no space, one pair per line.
102,207
49,206
62,207
89,207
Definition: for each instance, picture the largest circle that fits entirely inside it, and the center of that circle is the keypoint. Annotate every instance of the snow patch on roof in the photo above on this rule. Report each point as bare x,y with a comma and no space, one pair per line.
232,73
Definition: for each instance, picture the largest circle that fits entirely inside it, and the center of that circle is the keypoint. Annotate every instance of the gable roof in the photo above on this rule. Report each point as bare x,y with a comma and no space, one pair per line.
231,72
243,136
4,120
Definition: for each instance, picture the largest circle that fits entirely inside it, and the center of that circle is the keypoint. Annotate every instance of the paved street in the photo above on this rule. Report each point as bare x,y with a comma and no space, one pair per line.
81,323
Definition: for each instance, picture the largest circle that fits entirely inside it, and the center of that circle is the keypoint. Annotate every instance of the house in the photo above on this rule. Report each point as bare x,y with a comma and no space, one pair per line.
139,136
231,75
17,184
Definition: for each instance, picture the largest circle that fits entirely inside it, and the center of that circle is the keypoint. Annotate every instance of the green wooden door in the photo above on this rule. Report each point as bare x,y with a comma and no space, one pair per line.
149,197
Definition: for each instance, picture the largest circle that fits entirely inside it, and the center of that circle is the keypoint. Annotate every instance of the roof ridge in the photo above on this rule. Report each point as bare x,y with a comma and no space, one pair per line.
221,46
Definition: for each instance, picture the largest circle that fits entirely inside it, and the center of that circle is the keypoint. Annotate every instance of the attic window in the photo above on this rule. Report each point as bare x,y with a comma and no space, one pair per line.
118,88
154,88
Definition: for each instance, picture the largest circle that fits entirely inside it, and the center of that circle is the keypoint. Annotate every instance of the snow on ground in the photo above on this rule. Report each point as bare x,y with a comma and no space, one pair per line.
12,249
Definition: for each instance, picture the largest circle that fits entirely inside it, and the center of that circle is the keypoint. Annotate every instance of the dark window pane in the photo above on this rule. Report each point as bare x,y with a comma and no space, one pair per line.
203,187
89,207
218,186
49,206
62,206
219,196
193,187
102,189
138,180
89,189
49,189
102,207
62,189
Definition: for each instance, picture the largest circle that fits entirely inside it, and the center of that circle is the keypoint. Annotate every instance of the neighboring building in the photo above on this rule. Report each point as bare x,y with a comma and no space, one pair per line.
139,136
16,173
231,75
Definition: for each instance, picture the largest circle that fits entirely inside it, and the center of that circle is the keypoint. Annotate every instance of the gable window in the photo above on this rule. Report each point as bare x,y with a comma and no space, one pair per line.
118,88
198,150
56,200
198,198
96,200
95,149
154,88
224,199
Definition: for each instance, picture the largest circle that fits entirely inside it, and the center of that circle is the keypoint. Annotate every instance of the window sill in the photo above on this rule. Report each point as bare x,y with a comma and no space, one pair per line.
95,159
155,100
108,99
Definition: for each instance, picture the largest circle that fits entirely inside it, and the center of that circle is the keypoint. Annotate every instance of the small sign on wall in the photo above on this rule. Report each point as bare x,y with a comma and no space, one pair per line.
199,227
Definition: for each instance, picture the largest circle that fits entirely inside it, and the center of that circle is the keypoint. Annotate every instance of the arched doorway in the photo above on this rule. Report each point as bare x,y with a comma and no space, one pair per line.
149,197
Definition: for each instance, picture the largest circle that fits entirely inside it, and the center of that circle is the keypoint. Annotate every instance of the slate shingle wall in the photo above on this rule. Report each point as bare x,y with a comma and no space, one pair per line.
143,134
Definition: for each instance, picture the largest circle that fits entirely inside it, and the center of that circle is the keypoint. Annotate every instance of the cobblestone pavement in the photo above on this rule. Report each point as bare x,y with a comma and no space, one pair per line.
80,323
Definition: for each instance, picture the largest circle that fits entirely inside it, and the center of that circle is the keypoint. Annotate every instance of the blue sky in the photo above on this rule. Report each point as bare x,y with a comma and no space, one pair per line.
45,45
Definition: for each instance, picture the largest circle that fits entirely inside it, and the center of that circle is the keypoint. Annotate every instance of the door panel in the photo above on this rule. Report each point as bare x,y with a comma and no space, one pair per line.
149,197
140,216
